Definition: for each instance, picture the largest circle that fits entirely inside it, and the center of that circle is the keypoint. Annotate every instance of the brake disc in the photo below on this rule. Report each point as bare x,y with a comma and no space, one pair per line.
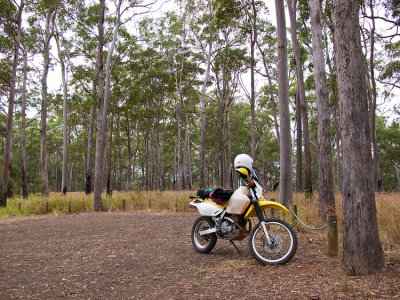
277,243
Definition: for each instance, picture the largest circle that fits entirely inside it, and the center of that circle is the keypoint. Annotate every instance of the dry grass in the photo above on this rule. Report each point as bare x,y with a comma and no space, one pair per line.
80,202
388,207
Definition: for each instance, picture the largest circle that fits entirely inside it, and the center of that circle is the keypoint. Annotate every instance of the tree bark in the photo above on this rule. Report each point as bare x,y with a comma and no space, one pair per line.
109,167
377,178
100,138
24,182
302,94
396,176
180,170
202,179
10,114
103,97
64,182
339,165
362,250
286,176
89,164
326,196
189,179
253,39
129,150
299,152
43,123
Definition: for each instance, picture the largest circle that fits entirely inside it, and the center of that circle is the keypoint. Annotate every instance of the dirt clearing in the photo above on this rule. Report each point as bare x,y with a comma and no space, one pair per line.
150,256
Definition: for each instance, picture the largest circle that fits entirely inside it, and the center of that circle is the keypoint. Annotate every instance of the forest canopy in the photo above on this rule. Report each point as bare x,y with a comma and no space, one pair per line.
188,87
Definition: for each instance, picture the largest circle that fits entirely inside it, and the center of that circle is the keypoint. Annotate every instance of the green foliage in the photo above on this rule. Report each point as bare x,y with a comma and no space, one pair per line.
388,136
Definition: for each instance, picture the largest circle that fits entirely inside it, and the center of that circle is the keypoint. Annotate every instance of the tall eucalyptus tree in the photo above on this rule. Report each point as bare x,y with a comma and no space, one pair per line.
49,12
325,180
362,250
13,25
62,56
204,38
302,98
286,174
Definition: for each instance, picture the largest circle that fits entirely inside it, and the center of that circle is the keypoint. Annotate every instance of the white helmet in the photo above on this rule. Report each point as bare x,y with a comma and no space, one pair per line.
243,161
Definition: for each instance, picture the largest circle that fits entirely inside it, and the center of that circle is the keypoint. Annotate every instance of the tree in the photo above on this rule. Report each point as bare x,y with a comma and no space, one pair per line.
204,28
302,98
362,250
326,197
16,35
286,176
101,130
50,13
251,28
61,56
24,182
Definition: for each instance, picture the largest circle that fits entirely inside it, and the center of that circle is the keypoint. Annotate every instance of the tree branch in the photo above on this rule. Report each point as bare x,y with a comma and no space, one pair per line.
6,81
389,83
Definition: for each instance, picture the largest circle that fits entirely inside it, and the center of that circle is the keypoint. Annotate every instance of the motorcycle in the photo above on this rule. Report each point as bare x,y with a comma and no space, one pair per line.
271,241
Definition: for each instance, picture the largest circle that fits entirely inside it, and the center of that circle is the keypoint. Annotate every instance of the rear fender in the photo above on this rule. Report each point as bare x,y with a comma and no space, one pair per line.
207,207
263,205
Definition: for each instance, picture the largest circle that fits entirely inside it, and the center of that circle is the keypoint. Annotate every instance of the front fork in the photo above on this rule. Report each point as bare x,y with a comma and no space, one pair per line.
261,218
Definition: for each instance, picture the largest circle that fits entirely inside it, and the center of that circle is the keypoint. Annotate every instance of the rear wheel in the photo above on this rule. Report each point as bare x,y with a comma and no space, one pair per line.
206,242
279,248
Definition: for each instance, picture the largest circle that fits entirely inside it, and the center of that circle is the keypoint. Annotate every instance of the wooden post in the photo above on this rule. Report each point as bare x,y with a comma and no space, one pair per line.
175,204
19,205
332,235
69,206
46,207
123,203
149,203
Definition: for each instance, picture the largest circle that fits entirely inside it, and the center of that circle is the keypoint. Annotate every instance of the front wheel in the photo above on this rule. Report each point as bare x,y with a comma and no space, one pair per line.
279,248
203,243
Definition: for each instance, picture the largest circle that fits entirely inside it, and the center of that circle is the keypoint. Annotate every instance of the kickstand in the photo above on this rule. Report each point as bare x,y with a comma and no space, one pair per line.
235,246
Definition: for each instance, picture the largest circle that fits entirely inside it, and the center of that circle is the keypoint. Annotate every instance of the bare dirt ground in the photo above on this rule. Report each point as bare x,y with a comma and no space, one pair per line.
150,256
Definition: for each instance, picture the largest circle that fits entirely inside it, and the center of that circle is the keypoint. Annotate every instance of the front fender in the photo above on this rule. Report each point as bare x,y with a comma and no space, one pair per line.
266,204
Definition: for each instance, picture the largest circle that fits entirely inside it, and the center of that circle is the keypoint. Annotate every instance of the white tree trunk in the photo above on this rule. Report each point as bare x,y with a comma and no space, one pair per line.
64,182
43,123
24,182
202,170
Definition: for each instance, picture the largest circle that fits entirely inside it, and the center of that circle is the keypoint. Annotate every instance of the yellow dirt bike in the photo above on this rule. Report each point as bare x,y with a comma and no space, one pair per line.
271,241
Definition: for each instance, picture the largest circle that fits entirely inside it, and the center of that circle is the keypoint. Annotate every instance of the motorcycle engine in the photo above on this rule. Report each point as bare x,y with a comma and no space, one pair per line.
227,226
